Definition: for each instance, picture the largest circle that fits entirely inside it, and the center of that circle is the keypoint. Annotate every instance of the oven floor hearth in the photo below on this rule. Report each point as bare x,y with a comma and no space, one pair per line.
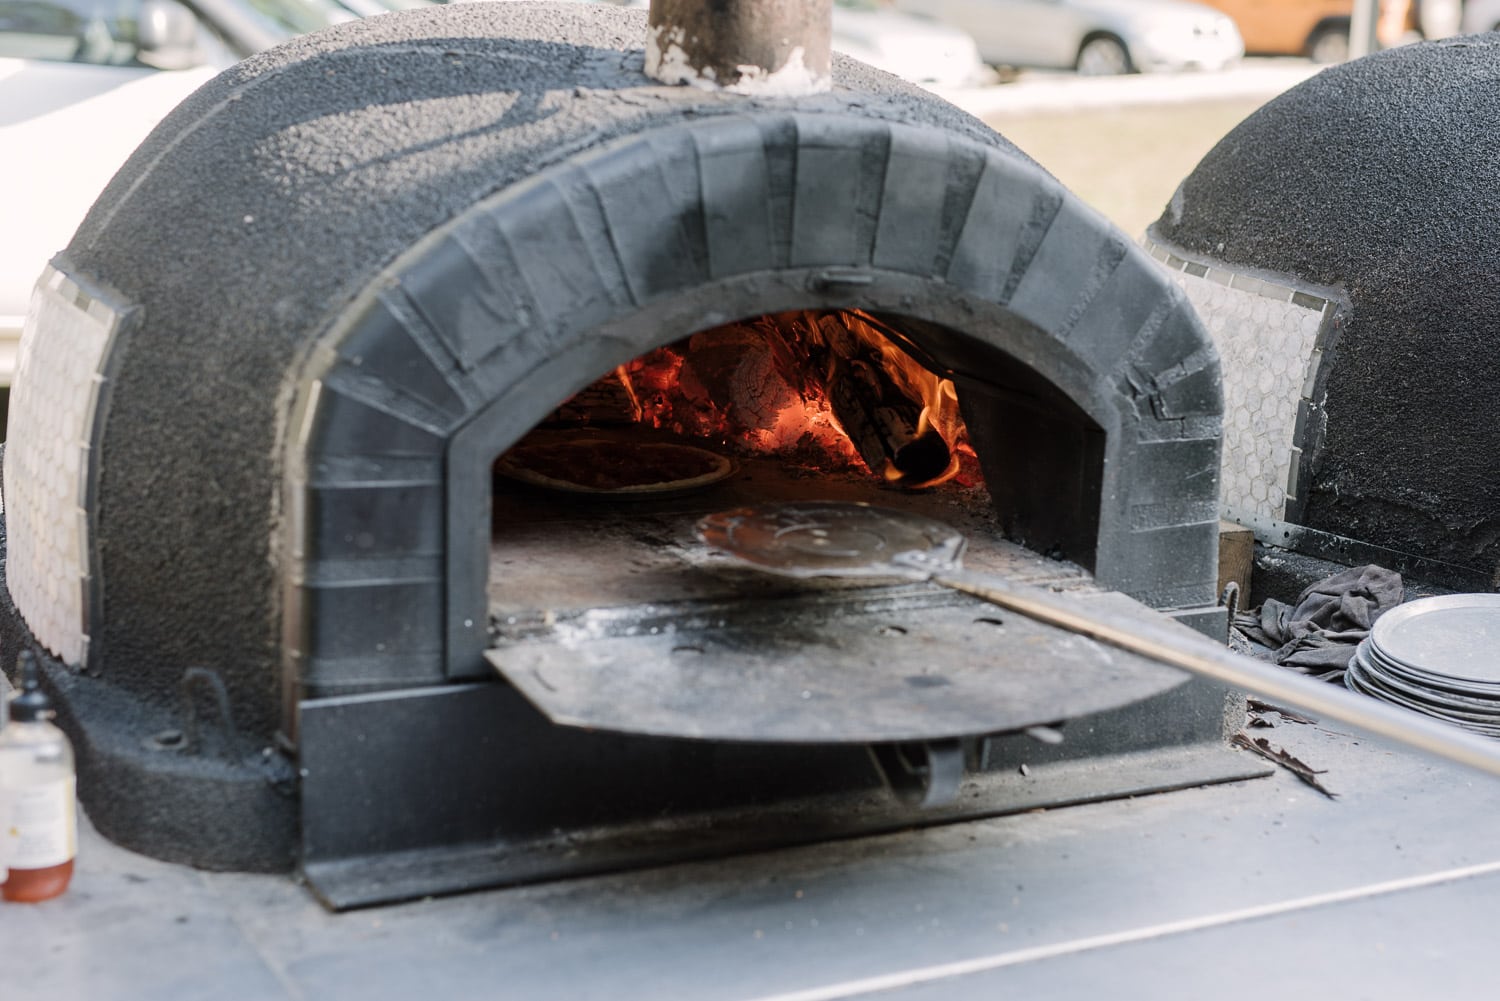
617,618
553,553
1235,892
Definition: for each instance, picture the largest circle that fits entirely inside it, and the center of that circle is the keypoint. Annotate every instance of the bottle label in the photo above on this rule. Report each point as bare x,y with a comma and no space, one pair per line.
38,824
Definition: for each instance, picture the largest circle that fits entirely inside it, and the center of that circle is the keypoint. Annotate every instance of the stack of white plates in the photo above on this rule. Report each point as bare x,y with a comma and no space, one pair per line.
1439,656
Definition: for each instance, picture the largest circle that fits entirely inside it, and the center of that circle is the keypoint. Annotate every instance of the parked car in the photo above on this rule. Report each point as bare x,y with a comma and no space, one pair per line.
81,84
1480,15
1317,29
923,51
1092,36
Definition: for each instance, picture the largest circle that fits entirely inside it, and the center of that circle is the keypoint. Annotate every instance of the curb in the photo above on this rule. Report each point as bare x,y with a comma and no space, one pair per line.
1038,91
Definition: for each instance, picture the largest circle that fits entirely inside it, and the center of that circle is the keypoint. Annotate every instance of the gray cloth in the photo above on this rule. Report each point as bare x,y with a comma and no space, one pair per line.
1318,634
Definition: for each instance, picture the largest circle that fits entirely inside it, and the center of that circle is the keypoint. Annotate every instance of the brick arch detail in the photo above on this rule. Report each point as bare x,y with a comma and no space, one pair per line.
462,344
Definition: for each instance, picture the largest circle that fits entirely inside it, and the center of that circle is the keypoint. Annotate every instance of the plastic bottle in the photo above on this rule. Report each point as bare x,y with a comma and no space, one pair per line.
38,805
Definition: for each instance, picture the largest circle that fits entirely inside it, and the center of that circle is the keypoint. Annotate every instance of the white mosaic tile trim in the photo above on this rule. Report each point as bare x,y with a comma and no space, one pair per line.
1267,336
52,404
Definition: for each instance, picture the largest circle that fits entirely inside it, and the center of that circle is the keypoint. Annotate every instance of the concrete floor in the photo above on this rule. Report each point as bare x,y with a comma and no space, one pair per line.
1261,889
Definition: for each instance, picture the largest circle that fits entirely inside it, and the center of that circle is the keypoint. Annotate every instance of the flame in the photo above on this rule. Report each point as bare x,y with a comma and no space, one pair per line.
766,386
940,411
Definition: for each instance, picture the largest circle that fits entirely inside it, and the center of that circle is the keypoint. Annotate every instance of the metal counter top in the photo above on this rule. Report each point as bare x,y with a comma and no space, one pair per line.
1250,890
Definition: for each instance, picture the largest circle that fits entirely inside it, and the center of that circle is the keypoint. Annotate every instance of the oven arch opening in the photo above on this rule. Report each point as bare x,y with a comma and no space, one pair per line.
1055,326
1007,409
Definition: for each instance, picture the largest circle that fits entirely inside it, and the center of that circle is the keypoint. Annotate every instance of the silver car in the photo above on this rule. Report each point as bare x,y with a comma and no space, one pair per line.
81,84
1094,37
916,49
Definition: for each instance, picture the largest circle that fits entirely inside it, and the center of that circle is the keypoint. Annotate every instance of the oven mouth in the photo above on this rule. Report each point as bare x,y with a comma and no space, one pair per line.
463,345
608,613
733,394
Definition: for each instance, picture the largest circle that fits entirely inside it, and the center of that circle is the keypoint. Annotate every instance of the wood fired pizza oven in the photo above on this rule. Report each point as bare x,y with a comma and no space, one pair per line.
254,523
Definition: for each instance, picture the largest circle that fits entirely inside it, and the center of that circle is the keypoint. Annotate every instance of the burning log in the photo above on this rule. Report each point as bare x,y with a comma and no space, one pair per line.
885,425
791,384
880,417
734,367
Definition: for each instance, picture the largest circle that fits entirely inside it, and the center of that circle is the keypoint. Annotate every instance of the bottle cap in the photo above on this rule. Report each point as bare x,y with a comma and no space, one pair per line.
32,705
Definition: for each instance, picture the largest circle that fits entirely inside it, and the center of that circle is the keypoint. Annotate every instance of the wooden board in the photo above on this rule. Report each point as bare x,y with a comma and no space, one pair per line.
1236,557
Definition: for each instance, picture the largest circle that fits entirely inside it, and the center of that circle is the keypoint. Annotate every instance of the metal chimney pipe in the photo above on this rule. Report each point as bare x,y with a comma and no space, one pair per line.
766,47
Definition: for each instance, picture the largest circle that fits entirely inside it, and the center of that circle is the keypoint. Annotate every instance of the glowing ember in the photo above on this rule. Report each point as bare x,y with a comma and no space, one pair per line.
831,390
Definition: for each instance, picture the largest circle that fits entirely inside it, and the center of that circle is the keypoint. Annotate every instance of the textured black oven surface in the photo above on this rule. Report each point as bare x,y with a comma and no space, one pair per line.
293,179
365,263
473,809
1377,177
354,143
227,803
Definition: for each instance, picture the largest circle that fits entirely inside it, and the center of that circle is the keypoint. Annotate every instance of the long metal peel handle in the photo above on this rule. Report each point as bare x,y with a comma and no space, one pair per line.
1175,645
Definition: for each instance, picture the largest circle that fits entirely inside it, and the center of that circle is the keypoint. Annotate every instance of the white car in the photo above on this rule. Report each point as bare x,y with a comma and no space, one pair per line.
923,51
81,84
1092,36
1479,16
